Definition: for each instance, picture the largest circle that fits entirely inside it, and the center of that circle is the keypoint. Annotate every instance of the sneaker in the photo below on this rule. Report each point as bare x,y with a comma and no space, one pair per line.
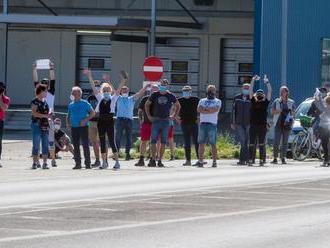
325,164
250,163
45,166
152,163
104,165
116,166
172,158
199,164
261,163
38,165
160,164
54,163
241,163
34,166
214,164
140,163
128,157
283,161
88,167
96,164
274,161
77,167
187,163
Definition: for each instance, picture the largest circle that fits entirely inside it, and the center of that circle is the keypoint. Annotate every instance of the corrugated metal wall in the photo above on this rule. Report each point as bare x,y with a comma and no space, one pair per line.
307,24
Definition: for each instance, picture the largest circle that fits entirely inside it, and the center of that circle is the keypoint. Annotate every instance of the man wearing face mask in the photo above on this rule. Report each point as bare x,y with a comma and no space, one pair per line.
165,108
189,119
4,104
258,122
145,124
241,121
92,129
124,122
209,109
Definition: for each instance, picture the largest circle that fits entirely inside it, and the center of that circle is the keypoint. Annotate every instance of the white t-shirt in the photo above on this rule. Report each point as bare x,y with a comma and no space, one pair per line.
207,103
113,99
50,98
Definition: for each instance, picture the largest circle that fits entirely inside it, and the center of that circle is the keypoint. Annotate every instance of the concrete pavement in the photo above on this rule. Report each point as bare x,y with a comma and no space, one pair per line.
230,206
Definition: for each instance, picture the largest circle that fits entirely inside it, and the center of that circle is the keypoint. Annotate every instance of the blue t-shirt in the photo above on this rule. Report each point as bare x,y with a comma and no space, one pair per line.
78,111
125,107
162,104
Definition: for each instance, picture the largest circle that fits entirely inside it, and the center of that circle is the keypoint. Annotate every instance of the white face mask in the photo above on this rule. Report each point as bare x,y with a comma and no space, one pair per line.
124,94
72,98
57,127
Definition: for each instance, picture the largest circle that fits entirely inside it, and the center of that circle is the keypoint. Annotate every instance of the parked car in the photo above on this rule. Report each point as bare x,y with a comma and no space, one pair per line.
302,109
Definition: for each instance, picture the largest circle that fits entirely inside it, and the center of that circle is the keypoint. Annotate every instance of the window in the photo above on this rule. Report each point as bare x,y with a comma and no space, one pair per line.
181,66
325,61
204,2
245,67
177,78
96,63
244,80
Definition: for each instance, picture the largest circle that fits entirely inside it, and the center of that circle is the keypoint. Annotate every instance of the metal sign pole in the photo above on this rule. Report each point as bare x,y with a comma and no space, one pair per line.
153,27
5,7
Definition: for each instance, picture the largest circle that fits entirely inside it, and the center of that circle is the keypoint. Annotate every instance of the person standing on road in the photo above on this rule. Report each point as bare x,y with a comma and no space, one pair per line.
80,112
162,113
124,122
188,118
145,125
106,126
4,105
92,129
323,105
283,110
258,121
40,126
241,121
50,99
208,108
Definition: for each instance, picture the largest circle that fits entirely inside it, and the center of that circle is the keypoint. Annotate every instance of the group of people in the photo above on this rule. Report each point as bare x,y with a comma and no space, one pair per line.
250,121
108,113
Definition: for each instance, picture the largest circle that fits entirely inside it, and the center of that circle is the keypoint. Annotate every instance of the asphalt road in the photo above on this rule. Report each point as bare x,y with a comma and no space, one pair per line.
230,206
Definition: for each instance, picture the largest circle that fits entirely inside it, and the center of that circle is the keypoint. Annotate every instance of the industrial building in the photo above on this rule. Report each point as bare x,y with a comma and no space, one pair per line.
200,42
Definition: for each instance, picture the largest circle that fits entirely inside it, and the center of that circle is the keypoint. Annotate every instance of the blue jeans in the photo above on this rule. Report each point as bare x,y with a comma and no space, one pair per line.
159,127
244,140
207,133
124,124
37,136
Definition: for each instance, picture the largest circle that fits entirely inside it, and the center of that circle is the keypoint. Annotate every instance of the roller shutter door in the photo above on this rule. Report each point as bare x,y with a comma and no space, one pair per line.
181,62
236,68
94,52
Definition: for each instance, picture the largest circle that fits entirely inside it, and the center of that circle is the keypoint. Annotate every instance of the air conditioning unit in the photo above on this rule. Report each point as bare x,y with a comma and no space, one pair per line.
204,2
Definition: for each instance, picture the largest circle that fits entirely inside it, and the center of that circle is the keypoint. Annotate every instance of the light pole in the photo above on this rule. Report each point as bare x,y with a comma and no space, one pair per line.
152,37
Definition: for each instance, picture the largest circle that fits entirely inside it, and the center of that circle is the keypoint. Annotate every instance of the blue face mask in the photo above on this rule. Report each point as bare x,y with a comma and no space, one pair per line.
162,88
245,92
186,93
106,95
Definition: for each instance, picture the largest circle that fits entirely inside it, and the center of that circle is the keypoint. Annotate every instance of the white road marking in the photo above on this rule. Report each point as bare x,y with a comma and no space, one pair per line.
163,222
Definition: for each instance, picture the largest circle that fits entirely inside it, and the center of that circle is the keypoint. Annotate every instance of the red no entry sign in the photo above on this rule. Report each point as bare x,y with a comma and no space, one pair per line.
153,68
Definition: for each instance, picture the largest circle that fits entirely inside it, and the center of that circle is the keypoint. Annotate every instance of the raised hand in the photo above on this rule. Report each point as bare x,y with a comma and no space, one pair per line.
86,72
51,65
106,77
266,80
123,75
256,77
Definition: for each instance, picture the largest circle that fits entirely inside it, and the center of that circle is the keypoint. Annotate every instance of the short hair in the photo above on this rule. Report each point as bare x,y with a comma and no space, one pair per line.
76,88
106,86
164,80
40,88
125,87
186,88
211,87
98,82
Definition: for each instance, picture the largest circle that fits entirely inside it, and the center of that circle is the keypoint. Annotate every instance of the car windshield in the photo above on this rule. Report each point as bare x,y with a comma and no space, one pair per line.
303,109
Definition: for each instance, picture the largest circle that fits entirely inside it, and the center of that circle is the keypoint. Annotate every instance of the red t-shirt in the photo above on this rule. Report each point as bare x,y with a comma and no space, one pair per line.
6,101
